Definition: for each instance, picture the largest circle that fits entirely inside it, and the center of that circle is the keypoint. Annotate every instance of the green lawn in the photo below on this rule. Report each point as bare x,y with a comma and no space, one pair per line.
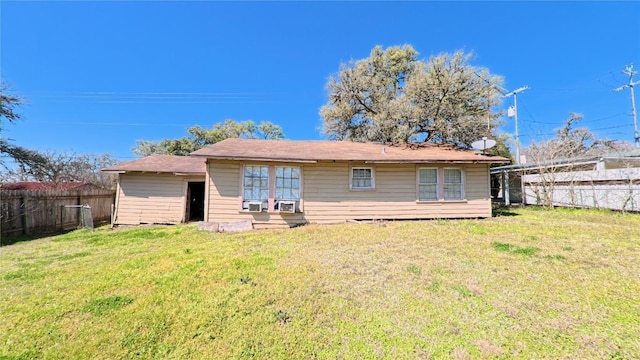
529,283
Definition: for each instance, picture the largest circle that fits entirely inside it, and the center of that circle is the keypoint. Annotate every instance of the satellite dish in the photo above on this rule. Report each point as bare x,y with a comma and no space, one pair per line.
483,144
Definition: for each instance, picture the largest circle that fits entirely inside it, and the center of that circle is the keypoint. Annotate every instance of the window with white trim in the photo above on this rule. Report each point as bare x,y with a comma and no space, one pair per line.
453,184
287,186
362,178
428,184
255,186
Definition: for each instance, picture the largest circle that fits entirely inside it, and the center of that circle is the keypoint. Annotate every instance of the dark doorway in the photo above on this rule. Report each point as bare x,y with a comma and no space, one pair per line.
195,201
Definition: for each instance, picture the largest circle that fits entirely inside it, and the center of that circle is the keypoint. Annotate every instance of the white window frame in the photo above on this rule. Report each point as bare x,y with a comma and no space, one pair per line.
271,203
441,185
244,200
295,199
444,184
437,183
373,178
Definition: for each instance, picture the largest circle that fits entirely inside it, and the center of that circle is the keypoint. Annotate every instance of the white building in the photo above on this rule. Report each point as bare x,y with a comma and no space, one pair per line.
608,182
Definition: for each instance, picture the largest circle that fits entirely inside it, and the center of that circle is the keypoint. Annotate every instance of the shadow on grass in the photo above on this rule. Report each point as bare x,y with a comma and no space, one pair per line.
10,240
22,238
503,211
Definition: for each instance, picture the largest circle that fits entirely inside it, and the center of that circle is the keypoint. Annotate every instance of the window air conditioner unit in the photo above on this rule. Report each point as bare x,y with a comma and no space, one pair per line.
255,206
287,206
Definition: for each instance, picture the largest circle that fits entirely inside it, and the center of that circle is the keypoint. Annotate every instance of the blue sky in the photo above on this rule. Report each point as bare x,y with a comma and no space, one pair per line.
97,76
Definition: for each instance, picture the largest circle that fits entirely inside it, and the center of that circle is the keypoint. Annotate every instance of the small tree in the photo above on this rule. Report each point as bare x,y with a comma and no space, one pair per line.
20,155
8,105
52,166
501,148
58,167
200,137
556,160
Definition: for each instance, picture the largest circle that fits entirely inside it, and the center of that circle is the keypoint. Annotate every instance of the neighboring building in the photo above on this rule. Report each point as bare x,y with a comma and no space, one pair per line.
159,189
608,182
281,182
40,185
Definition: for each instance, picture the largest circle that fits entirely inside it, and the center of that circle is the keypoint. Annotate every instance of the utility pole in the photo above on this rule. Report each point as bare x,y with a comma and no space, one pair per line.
629,71
515,115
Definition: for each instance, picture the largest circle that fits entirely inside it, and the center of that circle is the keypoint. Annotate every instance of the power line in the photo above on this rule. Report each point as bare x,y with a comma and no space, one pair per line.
121,97
611,127
92,123
581,121
142,101
160,95
597,129
126,94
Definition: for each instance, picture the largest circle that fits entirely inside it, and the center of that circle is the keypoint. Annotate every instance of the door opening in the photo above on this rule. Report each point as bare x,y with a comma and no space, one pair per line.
195,201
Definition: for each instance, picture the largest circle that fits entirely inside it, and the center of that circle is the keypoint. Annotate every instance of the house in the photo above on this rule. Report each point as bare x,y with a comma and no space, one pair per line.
48,185
283,182
159,189
609,182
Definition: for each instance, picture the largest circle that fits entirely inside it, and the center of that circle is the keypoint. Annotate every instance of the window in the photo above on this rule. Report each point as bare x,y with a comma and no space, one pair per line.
453,184
362,178
271,188
256,186
437,184
287,186
427,184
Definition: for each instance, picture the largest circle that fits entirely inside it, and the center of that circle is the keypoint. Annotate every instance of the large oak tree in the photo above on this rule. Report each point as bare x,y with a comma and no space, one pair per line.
393,97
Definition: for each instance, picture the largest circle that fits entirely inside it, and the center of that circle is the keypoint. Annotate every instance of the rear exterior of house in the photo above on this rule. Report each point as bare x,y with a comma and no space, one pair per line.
278,182
159,189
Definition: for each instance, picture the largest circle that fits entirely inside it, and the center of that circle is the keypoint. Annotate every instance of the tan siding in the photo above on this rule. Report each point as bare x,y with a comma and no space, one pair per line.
327,197
224,197
223,191
477,182
150,198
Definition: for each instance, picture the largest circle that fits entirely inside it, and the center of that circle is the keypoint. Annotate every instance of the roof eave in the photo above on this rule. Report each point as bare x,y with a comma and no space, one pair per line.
110,171
241,158
182,173
431,161
370,161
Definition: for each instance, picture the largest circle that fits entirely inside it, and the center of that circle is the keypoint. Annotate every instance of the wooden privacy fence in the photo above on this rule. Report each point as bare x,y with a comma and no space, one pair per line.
24,212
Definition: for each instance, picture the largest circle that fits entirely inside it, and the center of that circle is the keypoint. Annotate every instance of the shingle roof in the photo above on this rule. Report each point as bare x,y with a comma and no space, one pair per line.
162,164
38,185
292,150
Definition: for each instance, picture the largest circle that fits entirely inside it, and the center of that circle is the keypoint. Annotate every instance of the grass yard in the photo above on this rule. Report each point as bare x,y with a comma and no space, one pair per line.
529,283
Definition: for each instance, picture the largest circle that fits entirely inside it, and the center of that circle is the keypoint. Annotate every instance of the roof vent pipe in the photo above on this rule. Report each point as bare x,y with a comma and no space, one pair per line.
383,150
